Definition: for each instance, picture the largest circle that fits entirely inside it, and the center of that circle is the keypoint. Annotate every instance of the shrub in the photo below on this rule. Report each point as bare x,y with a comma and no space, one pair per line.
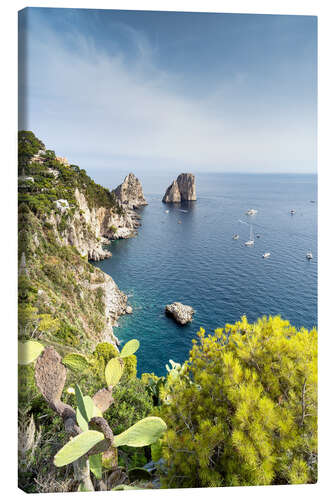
243,411
132,403
68,334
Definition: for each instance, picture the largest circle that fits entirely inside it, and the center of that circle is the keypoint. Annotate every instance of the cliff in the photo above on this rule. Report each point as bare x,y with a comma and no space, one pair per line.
129,194
64,220
183,189
91,227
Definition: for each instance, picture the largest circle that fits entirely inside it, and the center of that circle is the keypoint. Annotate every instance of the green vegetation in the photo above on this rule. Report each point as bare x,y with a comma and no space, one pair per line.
56,283
89,448
53,180
28,146
243,409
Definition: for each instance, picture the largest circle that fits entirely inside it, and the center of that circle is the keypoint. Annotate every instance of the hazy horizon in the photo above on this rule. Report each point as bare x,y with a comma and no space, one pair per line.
166,92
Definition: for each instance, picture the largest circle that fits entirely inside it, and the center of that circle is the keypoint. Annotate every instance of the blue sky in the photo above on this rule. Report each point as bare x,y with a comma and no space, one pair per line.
162,91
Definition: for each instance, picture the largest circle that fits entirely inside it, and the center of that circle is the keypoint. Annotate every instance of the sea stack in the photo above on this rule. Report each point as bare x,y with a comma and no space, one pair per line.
183,189
129,193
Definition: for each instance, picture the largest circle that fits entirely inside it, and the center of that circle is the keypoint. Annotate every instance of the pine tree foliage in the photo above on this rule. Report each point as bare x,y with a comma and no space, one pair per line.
244,409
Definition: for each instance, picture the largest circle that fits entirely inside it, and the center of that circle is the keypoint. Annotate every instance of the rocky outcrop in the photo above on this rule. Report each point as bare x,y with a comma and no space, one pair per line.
181,313
115,306
183,189
129,194
89,229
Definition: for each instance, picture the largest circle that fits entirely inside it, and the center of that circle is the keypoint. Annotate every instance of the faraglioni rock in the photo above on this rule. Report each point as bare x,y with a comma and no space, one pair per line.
129,194
183,189
181,313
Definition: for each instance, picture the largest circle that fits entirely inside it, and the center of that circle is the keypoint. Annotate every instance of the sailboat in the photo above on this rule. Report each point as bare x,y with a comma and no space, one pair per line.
250,242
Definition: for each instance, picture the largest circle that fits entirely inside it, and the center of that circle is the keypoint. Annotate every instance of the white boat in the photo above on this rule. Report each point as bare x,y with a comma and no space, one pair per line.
250,242
292,211
235,237
252,211
266,254
167,211
309,255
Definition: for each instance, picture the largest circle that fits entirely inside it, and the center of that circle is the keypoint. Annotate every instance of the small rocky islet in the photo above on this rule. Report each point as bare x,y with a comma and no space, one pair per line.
181,313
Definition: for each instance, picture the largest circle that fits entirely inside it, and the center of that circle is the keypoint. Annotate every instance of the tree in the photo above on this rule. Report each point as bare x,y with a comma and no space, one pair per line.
28,145
243,411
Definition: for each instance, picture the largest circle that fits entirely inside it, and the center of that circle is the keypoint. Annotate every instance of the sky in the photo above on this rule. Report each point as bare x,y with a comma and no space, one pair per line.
156,92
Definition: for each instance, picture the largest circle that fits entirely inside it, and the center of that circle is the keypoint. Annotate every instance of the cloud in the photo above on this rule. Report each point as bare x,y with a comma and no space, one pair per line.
87,102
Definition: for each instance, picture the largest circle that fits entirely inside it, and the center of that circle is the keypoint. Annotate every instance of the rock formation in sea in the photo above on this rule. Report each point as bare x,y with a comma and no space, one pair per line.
180,312
183,189
129,194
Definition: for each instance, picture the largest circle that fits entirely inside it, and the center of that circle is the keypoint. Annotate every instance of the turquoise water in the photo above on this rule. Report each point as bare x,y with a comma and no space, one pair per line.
198,263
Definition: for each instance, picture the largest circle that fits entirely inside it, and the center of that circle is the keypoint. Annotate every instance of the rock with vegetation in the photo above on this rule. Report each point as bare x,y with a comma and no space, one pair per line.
183,189
248,397
64,220
129,193
181,313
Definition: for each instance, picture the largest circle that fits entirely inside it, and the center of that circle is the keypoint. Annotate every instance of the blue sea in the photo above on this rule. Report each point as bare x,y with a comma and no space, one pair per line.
198,263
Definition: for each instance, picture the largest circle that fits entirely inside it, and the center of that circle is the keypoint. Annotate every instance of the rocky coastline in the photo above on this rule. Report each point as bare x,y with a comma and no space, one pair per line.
90,229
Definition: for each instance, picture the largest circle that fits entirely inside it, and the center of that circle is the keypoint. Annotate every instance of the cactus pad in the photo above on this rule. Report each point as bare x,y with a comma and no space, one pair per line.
50,376
29,351
143,433
77,447
129,348
103,399
113,371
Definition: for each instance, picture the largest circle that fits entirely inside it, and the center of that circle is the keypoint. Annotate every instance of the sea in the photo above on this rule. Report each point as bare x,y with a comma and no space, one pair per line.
188,255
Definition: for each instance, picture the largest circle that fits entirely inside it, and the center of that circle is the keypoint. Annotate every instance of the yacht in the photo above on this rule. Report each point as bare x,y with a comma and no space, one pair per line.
252,211
250,242
266,254
292,211
235,237
167,211
309,255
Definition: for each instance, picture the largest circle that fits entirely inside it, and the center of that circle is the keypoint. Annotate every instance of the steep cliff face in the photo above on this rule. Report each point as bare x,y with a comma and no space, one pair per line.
129,193
172,194
88,229
59,287
183,189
